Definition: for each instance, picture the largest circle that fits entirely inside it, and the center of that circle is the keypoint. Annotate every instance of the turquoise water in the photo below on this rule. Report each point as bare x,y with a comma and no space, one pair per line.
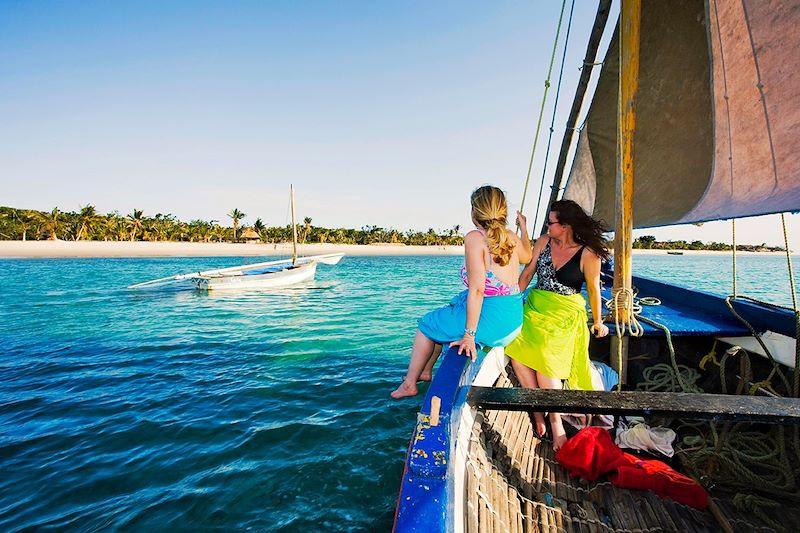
137,410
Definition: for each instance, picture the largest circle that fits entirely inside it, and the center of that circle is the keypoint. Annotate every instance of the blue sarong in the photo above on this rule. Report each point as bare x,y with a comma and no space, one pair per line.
500,321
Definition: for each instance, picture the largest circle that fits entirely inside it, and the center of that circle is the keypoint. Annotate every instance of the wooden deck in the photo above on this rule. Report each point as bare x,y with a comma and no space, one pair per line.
514,484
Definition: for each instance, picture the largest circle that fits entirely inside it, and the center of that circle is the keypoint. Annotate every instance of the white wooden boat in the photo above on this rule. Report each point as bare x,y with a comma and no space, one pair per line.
267,275
258,279
270,274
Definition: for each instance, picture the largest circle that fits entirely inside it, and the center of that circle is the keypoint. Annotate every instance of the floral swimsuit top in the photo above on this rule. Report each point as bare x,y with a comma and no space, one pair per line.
567,280
493,285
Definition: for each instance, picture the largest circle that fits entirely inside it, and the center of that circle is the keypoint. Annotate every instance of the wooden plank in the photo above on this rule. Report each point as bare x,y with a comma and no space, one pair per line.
670,404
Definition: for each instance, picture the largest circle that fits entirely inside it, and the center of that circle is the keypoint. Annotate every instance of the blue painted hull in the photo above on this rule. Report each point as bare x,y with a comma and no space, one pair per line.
423,501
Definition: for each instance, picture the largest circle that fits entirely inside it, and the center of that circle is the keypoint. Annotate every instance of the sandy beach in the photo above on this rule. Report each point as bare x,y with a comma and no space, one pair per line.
66,249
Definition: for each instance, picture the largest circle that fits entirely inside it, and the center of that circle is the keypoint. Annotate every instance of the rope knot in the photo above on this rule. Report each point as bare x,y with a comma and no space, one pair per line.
765,384
624,310
710,357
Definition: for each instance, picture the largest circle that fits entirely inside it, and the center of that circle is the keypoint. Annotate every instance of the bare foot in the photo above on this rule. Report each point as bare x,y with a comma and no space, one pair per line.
541,427
559,438
404,390
425,376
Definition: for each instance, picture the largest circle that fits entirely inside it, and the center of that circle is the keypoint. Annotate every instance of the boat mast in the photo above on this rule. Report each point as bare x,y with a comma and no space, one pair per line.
629,20
294,228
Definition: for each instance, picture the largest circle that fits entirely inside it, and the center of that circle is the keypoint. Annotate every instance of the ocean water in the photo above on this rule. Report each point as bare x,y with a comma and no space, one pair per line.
266,411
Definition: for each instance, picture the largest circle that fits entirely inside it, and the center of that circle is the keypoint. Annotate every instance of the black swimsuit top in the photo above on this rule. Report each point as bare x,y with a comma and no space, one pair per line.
566,280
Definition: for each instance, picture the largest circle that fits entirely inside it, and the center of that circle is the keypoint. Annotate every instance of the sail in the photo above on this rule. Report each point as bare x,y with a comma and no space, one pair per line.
717,115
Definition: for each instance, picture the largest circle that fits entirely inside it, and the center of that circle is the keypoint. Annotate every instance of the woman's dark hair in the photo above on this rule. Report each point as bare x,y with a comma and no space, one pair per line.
586,230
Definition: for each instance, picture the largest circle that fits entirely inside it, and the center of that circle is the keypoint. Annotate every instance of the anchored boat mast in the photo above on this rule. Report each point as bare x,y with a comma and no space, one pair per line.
294,227
629,20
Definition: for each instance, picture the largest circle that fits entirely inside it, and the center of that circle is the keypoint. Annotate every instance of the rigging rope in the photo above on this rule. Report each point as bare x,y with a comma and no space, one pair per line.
775,367
796,373
544,99
555,108
789,262
733,231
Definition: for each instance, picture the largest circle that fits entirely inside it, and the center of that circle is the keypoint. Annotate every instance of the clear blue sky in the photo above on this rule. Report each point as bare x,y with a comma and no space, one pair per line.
384,113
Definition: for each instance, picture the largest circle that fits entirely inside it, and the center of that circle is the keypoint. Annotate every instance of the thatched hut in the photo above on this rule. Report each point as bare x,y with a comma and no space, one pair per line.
250,236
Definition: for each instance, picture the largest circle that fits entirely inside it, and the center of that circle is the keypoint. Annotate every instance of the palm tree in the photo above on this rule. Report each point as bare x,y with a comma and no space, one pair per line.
111,229
164,226
24,220
236,215
307,222
259,228
87,217
135,221
217,231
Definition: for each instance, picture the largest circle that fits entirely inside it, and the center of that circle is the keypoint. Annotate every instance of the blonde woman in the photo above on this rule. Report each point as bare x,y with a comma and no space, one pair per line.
489,310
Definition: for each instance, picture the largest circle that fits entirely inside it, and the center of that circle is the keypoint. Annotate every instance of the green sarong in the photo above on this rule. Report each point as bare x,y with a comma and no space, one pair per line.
555,338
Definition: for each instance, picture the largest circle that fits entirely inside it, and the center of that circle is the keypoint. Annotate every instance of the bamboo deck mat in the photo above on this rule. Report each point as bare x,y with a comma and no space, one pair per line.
515,485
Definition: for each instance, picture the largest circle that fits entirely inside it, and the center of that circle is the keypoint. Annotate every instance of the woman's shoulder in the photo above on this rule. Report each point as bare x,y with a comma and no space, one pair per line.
589,254
474,238
541,242
474,235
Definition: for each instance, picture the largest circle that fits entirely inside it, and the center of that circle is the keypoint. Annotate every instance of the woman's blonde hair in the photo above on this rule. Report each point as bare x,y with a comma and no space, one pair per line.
490,211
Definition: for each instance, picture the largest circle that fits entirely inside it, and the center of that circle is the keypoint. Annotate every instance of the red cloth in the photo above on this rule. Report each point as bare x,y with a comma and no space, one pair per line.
591,453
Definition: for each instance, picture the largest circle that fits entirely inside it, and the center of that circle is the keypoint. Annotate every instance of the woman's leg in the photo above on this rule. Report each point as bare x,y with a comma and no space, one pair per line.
559,435
420,353
527,378
427,372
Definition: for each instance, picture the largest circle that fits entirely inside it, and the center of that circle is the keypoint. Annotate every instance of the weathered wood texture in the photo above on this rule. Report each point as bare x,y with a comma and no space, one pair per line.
673,404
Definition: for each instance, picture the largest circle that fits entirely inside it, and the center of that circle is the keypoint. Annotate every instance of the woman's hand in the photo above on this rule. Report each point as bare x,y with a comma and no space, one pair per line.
522,222
599,329
467,346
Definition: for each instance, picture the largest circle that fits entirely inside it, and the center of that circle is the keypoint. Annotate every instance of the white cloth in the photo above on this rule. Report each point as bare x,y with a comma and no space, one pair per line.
642,437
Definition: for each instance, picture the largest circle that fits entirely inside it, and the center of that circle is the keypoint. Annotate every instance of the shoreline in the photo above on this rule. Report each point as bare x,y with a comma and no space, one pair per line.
108,249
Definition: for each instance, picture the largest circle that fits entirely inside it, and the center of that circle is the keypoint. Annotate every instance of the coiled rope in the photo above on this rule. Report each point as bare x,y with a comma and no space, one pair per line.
742,458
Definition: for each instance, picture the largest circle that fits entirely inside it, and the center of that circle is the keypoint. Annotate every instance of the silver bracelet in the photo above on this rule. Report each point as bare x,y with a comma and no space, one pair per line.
470,332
